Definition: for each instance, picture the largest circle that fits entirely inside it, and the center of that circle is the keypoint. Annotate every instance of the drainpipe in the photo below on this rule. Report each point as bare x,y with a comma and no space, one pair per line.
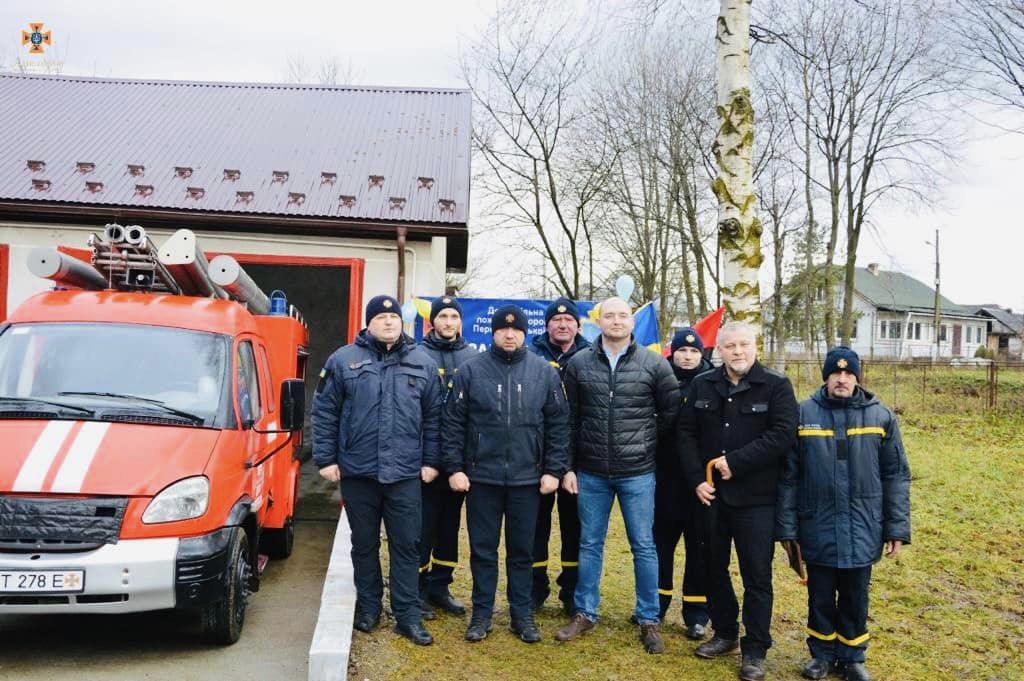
402,231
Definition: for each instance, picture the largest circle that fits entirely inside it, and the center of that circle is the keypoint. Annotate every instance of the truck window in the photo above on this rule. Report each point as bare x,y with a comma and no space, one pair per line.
248,384
265,362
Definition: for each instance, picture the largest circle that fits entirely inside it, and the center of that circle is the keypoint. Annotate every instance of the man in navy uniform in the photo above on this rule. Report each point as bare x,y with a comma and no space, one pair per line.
506,437
844,496
442,508
559,342
376,414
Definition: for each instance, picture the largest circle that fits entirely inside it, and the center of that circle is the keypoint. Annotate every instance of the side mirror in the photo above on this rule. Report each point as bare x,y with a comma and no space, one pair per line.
293,404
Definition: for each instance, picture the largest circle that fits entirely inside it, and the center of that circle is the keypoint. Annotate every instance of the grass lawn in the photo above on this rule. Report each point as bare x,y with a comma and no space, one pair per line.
950,607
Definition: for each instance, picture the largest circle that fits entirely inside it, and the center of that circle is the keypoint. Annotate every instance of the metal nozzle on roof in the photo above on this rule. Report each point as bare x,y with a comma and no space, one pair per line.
446,205
94,187
346,201
396,203
376,180
328,178
143,189
85,167
279,176
35,166
296,198
196,192
244,197
136,169
184,172
425,182
41,185
232,174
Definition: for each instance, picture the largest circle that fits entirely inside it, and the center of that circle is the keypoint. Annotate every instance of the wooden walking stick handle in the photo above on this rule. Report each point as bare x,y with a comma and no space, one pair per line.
709,471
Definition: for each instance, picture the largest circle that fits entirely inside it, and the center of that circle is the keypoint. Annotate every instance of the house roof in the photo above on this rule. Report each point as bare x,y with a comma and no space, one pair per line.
1014,323
901,293
349,154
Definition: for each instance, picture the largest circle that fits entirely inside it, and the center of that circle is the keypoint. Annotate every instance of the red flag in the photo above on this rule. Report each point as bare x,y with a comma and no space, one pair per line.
708,327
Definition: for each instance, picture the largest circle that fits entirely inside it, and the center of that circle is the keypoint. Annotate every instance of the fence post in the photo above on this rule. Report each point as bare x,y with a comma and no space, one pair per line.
992,373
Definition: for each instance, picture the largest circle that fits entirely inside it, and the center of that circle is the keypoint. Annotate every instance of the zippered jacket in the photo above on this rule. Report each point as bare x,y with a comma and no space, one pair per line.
448,355
616,416
376,413
506,421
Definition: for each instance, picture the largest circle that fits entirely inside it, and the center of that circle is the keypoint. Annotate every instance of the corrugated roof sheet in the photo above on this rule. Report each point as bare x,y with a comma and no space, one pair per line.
239,147
898,291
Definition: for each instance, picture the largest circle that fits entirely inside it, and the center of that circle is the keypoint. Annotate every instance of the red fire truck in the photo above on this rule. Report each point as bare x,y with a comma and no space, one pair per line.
151,407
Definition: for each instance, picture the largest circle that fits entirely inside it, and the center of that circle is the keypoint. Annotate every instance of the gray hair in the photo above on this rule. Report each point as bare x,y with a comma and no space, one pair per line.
734,327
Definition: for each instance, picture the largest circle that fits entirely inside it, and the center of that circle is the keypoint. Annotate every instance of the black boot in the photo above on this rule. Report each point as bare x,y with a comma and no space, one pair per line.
525,629
856,671
752,668
365,621
415,632
816,668
478,629
445,601
716,647
695,632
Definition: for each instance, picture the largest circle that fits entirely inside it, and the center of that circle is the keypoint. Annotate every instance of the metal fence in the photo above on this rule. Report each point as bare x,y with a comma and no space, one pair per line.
927,387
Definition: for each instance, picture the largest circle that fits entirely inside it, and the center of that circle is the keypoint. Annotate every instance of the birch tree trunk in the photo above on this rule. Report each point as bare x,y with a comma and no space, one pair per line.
739,230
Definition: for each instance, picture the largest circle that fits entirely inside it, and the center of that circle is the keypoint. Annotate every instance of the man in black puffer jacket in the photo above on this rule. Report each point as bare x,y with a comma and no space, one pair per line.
557,345
741,417
442,508
844,492
676,510
621,397
505,432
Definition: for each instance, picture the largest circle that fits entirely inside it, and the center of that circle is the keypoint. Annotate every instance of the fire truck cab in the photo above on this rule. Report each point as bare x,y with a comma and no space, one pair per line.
149,439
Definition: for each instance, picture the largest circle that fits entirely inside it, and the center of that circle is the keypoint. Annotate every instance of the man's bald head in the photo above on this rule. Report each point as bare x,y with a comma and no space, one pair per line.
615,320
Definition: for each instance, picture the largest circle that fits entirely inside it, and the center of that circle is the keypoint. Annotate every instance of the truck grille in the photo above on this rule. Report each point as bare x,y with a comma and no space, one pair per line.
30,524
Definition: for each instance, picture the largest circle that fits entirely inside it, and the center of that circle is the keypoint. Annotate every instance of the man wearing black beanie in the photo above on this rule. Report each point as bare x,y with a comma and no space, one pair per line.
376,413
505,439
442,507
557,345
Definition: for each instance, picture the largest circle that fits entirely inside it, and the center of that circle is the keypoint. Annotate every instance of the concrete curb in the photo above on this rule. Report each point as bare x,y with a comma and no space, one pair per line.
332,639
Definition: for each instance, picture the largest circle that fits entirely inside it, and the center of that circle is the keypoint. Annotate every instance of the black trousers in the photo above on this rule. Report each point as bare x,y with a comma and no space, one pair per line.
676,518
837,612
569,533
367,502
486,507
752,529
439,540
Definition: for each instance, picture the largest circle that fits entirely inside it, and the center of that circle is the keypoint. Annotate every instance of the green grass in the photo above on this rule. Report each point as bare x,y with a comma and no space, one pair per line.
950,607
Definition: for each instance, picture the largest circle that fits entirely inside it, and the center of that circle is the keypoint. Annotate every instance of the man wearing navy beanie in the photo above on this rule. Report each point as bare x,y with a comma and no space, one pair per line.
557,345
850,479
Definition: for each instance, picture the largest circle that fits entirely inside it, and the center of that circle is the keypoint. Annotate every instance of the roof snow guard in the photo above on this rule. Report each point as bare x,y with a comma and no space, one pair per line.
255,151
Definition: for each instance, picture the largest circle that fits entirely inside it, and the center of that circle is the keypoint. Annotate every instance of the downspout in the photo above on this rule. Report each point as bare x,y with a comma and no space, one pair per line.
402,231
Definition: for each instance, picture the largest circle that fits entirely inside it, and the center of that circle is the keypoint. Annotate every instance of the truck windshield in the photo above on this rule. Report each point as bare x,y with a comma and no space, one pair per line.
115,367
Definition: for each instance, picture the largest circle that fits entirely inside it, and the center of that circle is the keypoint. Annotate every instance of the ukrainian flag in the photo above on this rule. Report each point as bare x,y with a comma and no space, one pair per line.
645,328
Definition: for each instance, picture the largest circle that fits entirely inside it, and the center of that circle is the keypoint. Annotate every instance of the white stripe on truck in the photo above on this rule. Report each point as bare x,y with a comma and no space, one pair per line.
76,463
44,451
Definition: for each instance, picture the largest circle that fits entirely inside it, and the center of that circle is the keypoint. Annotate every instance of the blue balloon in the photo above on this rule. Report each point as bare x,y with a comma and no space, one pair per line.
408,312
624,286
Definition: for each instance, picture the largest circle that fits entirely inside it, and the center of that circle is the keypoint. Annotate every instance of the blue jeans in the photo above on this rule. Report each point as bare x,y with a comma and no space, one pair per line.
636,500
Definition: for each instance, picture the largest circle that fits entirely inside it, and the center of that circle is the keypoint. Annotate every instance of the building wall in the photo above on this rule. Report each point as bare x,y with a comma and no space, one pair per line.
424,261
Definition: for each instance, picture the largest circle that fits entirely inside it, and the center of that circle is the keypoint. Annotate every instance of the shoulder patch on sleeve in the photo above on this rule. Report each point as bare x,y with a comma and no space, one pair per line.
325,374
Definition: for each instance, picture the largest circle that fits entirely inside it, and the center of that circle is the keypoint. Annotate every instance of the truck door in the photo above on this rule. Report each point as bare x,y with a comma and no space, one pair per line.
253,405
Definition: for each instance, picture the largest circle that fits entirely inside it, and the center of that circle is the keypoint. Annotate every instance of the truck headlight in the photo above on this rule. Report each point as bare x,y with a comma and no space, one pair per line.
184,499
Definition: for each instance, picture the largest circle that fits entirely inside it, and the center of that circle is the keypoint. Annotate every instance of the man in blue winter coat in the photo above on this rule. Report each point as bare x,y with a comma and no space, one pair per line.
557,345
505,440
376,414
844,495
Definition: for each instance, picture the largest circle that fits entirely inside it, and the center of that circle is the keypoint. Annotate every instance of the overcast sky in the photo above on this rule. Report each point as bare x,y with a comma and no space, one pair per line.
405,42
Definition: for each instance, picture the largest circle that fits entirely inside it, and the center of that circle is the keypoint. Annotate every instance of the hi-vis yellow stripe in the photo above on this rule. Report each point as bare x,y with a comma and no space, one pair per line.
870,430
820,636
540,563
695,599
665,592
854,642
570,563
424,568
446,563
815,432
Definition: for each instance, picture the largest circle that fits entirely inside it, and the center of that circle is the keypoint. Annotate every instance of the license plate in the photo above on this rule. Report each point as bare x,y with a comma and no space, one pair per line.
41,581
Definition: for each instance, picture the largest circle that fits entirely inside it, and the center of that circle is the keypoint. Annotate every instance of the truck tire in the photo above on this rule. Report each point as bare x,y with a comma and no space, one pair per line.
278,543
223,620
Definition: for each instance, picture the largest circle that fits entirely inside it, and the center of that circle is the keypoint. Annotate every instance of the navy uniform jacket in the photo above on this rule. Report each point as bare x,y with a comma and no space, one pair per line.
377,413
448,355
845,488
552,354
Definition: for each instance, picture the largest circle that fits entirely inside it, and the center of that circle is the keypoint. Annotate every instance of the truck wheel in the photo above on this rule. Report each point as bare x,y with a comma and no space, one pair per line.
278,543
223,620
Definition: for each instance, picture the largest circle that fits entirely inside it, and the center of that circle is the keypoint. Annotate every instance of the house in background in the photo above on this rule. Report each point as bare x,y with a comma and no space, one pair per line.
895,319
1005,331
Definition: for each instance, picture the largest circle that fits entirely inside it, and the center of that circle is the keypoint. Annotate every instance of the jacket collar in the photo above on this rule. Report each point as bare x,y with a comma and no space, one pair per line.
435,342
513,357
598,348
401,348
861,398
543,341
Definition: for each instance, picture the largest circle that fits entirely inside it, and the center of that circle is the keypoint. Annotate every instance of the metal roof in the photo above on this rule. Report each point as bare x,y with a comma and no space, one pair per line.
352,153
1013,323
900,292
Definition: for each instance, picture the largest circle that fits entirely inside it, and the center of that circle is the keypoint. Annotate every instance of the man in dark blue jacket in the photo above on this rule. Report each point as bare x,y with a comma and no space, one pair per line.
557,345
505,434
442,508
843,494
376,414
675,508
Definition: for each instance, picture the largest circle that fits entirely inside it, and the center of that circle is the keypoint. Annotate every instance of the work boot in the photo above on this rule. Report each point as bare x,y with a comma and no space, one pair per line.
816,668
525,629
415,632
577,626
650,636
695,632
478,629
445,601
426,612
365,621
856,671
716,647
752,668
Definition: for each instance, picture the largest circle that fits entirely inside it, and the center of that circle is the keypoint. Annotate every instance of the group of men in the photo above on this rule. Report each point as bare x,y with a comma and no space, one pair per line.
727,455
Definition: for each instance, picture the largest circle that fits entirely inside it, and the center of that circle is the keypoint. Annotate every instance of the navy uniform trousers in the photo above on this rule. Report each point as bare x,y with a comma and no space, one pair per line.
837,612
439,543
676,518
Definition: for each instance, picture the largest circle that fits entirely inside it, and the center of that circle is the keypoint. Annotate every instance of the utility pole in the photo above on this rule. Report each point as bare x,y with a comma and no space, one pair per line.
938,313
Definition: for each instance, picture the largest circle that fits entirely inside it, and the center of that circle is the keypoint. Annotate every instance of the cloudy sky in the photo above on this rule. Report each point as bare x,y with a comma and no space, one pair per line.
405,42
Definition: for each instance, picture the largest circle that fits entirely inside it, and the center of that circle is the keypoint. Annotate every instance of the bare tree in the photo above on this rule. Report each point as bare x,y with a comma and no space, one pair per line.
991,34
329,71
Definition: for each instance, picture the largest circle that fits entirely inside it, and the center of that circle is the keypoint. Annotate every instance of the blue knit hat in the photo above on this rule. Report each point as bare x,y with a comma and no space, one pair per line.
687,337
841,358
561,306
381,305
509,316
442,302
